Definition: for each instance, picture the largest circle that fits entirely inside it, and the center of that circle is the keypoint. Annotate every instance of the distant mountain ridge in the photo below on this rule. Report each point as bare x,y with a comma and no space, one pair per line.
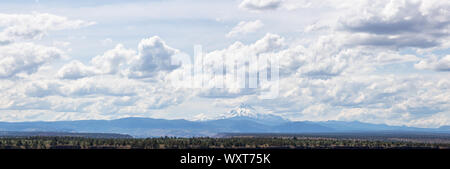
242,119
148,127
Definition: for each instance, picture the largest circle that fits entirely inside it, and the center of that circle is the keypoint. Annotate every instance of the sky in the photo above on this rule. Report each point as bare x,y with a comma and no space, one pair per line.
384,62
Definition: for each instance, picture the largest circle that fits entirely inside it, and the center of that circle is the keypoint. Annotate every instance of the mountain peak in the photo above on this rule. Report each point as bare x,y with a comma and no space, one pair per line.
247,112
243,110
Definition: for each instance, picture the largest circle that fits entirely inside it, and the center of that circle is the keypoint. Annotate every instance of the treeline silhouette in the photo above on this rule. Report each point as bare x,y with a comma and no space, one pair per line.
207,143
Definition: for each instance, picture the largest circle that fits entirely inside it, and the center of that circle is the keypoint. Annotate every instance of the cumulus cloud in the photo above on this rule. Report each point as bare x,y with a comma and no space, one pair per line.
75,70
107,95
367,98
111,61
319,60
18,57
305,62
398,24
328,80
25,58
236,55
153,56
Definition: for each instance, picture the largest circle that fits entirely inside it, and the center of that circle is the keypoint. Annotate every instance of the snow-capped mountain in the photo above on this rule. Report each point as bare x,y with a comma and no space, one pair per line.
243,110
247,112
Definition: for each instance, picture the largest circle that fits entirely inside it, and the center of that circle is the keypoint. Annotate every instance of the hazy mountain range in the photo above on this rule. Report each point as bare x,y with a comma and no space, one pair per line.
242,119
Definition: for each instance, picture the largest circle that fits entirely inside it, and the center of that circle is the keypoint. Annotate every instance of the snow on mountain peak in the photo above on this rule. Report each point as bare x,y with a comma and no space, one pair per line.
243,110
246,111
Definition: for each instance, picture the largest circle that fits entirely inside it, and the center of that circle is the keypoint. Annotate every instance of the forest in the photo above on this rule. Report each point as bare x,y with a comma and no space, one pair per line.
43,142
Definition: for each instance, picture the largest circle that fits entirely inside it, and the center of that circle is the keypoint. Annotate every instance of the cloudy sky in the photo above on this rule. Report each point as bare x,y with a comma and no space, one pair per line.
372,61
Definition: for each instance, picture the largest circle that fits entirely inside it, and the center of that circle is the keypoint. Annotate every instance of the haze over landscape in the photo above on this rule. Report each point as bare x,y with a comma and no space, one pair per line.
242,119
107,66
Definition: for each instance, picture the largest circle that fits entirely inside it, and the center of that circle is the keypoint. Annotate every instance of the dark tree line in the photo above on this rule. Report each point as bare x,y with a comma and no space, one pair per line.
204,143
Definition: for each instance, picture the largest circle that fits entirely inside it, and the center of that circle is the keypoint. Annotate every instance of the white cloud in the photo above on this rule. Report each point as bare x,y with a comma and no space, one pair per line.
75,70
260,4
25,58
238,51
421,24
153,56
35,25
245,27
392,99
290,5
111,61
102,95
434,63
392,57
